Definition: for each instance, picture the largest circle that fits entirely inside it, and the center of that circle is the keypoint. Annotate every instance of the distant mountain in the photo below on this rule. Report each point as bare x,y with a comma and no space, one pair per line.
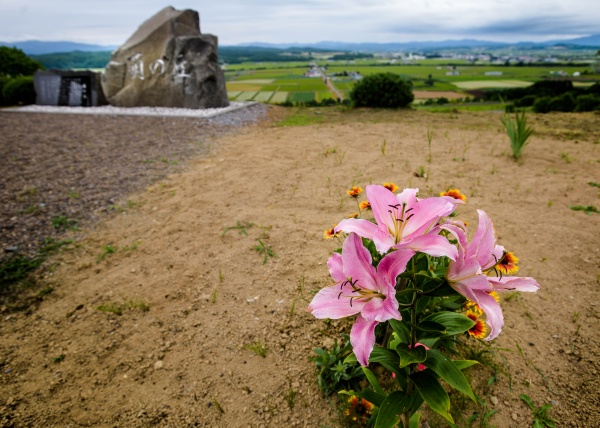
38,47
590,41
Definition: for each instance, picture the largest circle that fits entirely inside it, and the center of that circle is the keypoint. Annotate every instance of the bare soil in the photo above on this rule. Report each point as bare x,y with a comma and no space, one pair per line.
198,301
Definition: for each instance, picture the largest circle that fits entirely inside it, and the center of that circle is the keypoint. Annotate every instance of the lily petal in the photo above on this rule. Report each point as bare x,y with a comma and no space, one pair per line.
434,245
382,200
362,338
359,226
357,262
336,267
516,283
334,302
484,245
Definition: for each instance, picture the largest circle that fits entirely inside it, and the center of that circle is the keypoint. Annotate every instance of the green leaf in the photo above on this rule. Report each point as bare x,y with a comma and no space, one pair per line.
414,420
464,364
407,355
433,393
431,326
391,410
373,381
387,358
527,400
351,358
401,329
453,322
445,368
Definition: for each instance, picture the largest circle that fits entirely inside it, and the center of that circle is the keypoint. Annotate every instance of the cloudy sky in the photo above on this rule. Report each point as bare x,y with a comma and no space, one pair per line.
111,22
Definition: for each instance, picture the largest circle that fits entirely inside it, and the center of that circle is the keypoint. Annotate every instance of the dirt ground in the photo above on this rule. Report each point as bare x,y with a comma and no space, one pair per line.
199,303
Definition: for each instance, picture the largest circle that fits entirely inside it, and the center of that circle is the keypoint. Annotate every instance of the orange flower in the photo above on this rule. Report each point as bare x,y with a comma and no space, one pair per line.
330,233
473,307
359,409
365,205
353,215
454,193
480,329
355,191
391,187
508,263
495,295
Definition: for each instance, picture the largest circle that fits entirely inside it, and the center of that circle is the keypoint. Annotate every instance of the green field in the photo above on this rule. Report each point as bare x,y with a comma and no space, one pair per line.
279,82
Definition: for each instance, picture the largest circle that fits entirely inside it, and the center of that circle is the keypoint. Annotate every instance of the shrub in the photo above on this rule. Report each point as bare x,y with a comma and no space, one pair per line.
564,103
386,90
542,105
3,81
588,102
526,101
19,90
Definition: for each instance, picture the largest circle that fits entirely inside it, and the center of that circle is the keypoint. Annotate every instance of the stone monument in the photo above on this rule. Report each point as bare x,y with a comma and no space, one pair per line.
167,62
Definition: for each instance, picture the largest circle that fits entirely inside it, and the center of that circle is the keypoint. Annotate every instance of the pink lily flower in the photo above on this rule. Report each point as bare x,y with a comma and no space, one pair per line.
404,222
468,273
361,289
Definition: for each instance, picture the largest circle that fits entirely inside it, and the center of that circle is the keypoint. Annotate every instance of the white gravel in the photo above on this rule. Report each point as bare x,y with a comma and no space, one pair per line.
135,111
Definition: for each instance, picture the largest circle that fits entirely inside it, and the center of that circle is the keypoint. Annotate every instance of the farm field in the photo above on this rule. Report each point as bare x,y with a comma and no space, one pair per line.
280,82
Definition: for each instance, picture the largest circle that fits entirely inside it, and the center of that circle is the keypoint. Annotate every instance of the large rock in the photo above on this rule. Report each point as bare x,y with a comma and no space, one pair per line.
167,62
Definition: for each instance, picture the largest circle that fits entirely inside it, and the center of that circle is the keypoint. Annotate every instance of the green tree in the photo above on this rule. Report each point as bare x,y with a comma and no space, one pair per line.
386,90
14,62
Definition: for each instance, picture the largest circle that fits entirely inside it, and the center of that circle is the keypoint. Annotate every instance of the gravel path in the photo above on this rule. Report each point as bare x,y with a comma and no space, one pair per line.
63,170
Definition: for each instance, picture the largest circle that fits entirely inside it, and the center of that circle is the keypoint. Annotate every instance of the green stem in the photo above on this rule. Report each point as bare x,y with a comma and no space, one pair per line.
413,341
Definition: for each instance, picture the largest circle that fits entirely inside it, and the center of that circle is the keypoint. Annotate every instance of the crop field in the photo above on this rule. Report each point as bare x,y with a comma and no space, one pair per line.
281,82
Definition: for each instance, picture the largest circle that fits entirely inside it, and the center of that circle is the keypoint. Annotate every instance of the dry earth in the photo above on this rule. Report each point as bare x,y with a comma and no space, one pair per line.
186,361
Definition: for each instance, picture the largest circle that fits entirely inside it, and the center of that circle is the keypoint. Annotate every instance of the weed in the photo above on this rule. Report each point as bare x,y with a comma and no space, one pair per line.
133,246
290,398
550,204
217,405
62,223
264,249
575,316
51,245
106,250
112,307
213,295
541,418
420,172
16,269
566,157
240,227
429,138
258,348
333,373
517,131
591,183
339,158
137,304
72,194
59,359
330,151
383,147
588,209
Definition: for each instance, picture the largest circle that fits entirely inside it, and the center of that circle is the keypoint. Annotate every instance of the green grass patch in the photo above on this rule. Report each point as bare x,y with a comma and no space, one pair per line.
246,96
302,117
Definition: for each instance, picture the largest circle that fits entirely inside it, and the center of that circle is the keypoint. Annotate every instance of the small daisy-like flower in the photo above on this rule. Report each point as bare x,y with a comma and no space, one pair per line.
359,409
355,191
495,295
365,205
508,263
454,193
473,307
391,187
353,215
330,233
480,329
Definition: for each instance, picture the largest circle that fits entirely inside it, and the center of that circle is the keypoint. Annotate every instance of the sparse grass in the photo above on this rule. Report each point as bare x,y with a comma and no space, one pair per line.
541,418
73,194
429,138
588,209
258,348
106,250
59,359
63,223
119,308
217,405
383,147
